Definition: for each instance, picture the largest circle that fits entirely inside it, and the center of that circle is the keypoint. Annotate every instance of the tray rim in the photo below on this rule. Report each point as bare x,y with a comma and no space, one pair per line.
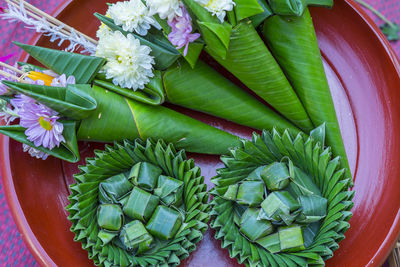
39,253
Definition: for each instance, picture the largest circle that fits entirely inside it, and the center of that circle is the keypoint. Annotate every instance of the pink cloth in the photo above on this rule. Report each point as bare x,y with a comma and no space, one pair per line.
13,251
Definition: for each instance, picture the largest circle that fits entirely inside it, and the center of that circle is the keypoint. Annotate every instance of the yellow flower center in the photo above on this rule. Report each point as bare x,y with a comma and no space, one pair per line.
47,79
45,124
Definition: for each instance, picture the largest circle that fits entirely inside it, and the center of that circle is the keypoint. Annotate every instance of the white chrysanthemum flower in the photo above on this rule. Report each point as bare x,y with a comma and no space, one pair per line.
103,30
133,16
129,63
217,7
165,8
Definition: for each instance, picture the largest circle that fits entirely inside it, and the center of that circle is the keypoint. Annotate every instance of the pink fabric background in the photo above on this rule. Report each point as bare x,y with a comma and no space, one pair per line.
13,251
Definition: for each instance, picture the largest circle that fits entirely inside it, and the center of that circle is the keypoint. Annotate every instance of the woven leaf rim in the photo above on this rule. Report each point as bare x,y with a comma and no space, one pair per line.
242,160
119,158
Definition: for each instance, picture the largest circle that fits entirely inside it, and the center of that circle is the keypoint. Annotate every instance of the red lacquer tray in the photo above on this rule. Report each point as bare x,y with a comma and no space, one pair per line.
363,72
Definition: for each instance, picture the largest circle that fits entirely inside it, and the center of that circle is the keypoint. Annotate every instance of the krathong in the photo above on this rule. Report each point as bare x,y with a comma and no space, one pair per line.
299,206
139,204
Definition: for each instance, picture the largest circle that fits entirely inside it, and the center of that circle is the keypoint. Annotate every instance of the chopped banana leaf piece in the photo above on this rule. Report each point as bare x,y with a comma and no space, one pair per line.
134,235
145,175
256,196
291,238
169,190
110,217
140,205
164,223
232,192
270,243
276,176
253,228
106,236
278,204
313,209
114,188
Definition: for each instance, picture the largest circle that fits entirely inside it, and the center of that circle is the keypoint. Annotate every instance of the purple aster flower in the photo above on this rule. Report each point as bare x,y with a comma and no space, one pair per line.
63,81
20,100
3,88
42,127
34,152
181,34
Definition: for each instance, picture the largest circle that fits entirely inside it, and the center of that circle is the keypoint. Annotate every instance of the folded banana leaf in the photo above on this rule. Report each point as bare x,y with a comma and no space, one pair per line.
82,67
250,61
118,118
110,217
253,228
296,7
156,235
293,43
267,80
140,205
212,93
203,89
145,175
67,151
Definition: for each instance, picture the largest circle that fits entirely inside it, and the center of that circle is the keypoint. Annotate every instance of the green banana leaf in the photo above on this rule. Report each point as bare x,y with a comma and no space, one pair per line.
110,217
74,101
276,176
83,68
114,188
253,228
257,193
203,89
291,238
145,175
296,7
157,226
67,151
152,94
293,42
141,204
251,62
259,18
163,52
117,118
169,190
146,95
215,34
134,235
247,8
313,209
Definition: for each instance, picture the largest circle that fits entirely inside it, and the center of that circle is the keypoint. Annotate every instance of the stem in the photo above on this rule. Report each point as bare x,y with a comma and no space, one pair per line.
39,13
11,68
376,12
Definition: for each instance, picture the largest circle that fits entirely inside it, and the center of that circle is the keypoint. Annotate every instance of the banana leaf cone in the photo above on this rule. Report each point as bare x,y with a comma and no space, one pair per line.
192,84
116,118
246,56
306,200
135,227
293,42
